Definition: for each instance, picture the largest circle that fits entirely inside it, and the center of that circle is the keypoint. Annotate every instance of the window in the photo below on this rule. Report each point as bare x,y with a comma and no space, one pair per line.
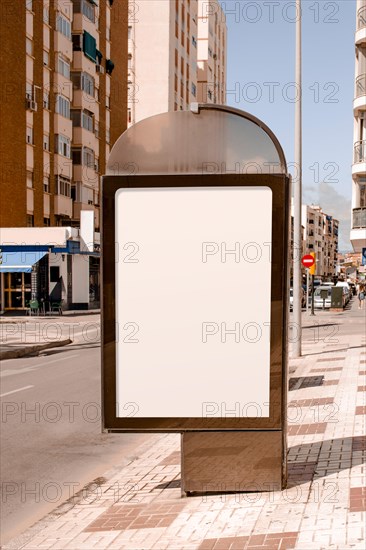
83,119
46,100
30,220
86,8
96,128
129,61
62,106
29,5
176,58
107,136
129,32
63,186
29,179
83,81
87,120
77,42
63,25
89,46
46,14
46,58
62,145
28,90
46,142
46,184
193,89
129,115
194,41
29,135
76,155
63,67
29,46
88,157
108,33
107,101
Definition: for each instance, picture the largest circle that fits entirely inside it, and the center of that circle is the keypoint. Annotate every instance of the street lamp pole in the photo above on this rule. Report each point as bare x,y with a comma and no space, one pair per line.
297,252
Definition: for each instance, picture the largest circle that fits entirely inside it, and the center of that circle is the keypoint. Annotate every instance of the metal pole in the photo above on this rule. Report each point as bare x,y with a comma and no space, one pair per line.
297,189
307,290
312,294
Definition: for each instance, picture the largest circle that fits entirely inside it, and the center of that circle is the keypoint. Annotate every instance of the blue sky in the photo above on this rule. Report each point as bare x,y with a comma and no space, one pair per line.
261,49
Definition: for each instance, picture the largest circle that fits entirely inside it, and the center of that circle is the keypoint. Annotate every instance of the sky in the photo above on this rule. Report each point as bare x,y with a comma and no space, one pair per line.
260,77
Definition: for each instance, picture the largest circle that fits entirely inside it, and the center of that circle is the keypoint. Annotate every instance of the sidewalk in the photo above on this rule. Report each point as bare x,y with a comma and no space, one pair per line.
21,336
140,506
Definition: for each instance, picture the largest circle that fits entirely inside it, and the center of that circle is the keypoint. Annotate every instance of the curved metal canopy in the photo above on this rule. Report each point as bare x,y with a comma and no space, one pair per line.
206,140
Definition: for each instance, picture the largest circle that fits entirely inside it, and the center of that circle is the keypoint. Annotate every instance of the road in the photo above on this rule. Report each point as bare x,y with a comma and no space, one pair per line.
51,440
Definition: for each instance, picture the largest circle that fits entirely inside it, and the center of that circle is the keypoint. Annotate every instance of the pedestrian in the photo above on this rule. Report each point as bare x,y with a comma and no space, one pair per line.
361,296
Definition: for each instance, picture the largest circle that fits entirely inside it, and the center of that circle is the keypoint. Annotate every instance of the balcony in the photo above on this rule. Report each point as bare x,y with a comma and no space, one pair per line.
359,166
360,93
361,26
359,218
63,206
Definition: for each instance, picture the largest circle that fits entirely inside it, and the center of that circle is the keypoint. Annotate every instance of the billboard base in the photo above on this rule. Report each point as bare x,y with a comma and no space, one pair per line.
226,462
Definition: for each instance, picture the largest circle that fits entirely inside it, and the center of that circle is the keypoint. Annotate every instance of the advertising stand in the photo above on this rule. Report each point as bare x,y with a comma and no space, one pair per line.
195,243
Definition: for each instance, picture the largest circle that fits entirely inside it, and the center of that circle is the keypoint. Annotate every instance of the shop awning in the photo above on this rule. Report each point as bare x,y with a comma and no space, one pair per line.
20,262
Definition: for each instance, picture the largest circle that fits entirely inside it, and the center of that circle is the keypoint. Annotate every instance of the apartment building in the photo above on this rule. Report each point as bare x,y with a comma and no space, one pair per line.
321,237
63,104
358,215
58,96
164,46
211,53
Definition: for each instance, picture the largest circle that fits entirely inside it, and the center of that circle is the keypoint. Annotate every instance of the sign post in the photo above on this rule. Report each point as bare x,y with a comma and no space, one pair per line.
308,261
195,303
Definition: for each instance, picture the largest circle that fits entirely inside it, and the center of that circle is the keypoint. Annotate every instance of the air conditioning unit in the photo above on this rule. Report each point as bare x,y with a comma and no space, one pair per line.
31,105
99,69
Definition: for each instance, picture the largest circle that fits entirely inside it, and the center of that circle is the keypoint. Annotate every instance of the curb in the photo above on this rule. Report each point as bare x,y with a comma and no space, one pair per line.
21,352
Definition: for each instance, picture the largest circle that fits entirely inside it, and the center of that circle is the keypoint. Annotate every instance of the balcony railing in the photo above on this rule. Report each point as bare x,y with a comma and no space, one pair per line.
361,85
361,18
359,218
360,151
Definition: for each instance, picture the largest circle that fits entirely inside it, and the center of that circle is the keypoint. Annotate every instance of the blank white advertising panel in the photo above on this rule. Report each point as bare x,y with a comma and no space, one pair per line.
193,301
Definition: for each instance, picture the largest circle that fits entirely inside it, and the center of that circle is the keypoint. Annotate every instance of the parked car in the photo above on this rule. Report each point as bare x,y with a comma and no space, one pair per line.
348,292
303,298
323,296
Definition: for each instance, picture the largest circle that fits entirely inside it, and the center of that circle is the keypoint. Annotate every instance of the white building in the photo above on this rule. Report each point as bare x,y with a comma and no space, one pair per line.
50,265
358,223
172,51
211,52
321,237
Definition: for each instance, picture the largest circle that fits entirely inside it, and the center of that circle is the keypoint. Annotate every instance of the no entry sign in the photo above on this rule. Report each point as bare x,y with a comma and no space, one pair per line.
308,260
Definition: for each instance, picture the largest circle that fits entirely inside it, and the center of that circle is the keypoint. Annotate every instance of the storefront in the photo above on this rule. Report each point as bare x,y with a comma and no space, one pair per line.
49,266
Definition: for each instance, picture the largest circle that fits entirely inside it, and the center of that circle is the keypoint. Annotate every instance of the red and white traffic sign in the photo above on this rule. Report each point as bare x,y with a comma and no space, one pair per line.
308,260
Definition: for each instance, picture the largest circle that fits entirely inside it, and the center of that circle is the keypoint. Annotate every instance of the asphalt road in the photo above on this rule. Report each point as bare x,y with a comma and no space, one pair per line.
51,440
